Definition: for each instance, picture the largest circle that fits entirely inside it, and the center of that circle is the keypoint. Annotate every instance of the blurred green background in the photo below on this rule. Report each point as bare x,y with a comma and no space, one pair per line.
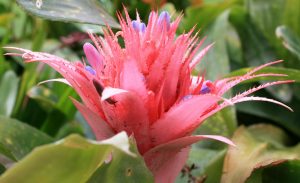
246,33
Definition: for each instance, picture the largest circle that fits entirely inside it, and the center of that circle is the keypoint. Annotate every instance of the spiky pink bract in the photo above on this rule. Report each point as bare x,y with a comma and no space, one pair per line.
146,89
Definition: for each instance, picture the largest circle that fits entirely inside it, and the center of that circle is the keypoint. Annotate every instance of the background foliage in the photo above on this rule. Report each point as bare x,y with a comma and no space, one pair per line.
246,33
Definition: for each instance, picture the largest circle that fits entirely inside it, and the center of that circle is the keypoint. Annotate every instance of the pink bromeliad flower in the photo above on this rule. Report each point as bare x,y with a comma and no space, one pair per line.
146,89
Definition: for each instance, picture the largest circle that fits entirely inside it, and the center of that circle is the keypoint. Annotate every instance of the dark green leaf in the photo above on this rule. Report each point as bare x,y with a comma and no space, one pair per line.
75,159
287,172
89,11
41,98
279,115
17,139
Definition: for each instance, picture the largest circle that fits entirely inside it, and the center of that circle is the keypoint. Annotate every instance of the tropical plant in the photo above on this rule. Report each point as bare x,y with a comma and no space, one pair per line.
246,34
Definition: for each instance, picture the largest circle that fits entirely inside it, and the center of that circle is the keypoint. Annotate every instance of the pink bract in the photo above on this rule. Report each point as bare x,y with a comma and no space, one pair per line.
146,89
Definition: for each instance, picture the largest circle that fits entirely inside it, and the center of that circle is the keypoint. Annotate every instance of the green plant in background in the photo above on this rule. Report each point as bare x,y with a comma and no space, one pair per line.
246,33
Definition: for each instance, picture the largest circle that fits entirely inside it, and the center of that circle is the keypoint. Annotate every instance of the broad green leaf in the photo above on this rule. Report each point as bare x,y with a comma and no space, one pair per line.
287,172
253,152
96,29
268,15
17,139
75,159
123,169
9,85
89,11
203,15
256,49
289,39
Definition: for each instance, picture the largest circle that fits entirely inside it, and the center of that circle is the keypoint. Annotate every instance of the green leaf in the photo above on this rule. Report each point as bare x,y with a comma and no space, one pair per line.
75,159
89,11
292,74
289,40
28,80
41,104
194,15
287,172
8,86
256,49
123,169
279,115
268,15
253,152
218,54
17,139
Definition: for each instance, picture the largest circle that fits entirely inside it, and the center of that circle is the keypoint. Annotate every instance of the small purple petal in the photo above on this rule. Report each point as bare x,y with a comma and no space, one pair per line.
135,25
205,89
138,26
164,19
90,70
142,27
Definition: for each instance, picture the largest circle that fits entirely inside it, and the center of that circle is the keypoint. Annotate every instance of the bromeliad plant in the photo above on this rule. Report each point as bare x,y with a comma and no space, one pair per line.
146,89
